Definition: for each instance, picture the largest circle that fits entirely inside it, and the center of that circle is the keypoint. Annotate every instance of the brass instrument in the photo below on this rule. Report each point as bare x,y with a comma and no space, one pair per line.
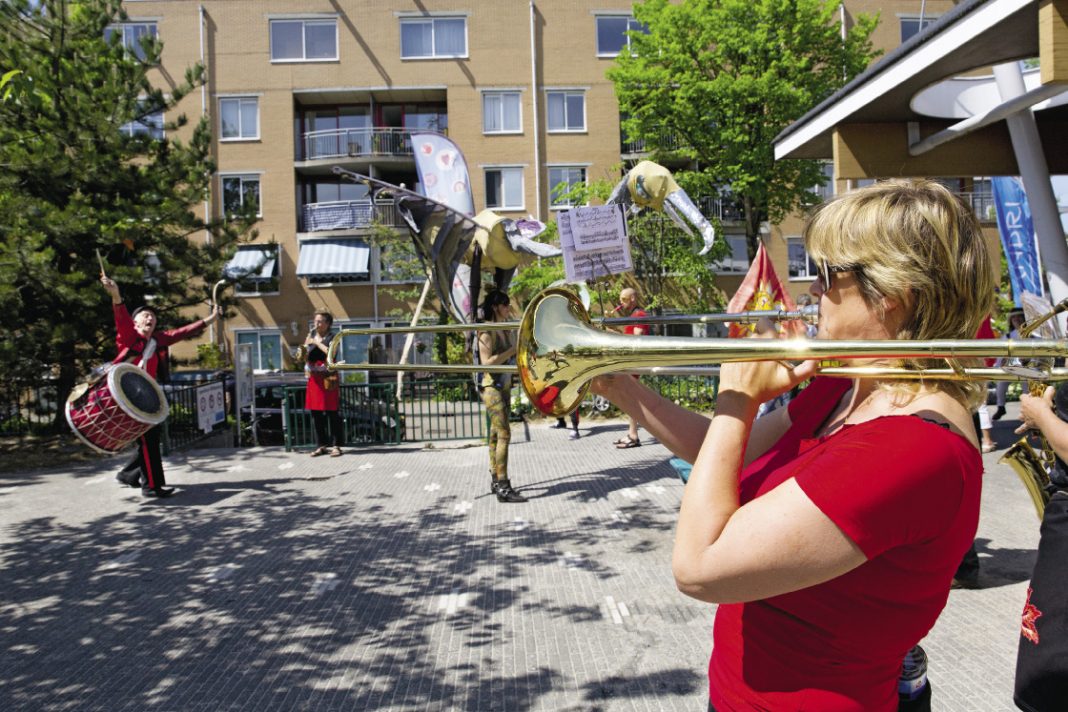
559,352
1030,465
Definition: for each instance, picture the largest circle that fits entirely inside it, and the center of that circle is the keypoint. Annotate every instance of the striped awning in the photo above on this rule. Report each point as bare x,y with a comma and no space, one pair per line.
253,262
333,258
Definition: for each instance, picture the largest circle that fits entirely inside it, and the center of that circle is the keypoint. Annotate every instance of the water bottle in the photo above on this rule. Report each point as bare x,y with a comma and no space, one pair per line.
913,680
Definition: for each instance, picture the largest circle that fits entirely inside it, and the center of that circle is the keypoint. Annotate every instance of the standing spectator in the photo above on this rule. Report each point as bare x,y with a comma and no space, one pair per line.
628,307
140,343
322,395
1016,320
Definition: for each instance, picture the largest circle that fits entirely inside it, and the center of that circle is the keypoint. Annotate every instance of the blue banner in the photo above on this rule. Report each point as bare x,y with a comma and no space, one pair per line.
1017,237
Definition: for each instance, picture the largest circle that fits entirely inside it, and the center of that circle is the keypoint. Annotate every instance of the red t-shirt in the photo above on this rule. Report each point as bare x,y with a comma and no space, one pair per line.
630,328
906,491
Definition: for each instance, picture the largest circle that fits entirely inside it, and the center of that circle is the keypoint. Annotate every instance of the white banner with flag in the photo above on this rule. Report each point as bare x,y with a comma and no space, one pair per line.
443,171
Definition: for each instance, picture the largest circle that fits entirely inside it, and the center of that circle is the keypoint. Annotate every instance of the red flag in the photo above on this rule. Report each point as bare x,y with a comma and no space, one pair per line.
761,289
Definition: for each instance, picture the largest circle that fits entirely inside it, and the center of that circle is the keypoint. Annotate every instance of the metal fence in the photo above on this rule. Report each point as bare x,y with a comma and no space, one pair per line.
27,407
181,430
370,414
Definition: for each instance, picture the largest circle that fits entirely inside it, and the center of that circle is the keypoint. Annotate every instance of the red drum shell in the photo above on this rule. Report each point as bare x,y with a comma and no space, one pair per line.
106,419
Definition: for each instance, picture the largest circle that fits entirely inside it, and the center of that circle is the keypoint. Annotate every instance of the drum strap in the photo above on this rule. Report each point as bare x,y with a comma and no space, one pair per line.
148,353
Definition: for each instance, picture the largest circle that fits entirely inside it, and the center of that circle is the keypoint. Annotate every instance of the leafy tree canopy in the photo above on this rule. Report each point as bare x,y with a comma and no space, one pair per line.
87,166
721,78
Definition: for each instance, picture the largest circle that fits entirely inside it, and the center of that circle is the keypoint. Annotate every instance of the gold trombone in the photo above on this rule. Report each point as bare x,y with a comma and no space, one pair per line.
559,352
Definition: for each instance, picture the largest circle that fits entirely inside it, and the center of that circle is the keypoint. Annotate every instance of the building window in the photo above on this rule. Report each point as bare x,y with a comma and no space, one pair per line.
911,26
562,179
737,262
255,270
398,263
132,35
150,125
239,118
567,110
500,112
826,191
433,37
303,40
240,191
612,35
266,348
504,188
800,265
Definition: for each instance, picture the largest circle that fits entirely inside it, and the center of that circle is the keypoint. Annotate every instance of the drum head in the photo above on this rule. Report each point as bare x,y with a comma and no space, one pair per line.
138,394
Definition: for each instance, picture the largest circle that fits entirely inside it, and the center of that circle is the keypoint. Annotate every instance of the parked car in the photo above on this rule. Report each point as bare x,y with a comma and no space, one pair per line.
366,420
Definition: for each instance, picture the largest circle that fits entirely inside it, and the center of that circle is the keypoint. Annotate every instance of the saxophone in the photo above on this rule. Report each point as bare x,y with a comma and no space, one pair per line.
1034,466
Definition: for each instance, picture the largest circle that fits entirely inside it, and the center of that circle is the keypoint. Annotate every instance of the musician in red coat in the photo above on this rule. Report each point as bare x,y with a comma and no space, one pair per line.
139,343
322,391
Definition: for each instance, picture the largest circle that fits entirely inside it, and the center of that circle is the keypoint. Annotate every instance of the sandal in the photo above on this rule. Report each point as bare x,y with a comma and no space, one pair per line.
628,443
622,441
336,452
321,450
989,447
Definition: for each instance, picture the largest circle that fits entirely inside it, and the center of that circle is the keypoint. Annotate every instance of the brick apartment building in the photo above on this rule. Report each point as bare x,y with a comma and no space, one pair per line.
297,87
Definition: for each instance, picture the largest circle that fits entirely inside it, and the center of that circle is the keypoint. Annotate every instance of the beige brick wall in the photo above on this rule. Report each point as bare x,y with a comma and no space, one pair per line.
237,53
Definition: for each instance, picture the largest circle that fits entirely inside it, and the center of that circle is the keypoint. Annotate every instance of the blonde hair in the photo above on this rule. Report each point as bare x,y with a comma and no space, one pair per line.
918,244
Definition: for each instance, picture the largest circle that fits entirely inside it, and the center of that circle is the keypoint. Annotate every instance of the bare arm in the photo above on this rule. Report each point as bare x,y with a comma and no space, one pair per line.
485,351
776,543
1037,412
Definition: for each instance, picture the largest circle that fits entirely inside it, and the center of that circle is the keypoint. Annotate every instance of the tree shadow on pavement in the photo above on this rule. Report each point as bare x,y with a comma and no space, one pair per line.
278,599
1003,567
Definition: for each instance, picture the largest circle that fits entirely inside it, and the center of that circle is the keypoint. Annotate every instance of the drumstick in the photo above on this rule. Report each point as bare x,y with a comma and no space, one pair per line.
103,272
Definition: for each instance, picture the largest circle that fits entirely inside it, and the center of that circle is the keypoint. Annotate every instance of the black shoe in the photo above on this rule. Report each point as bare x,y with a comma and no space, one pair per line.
505,493
160,492
127,483
998,413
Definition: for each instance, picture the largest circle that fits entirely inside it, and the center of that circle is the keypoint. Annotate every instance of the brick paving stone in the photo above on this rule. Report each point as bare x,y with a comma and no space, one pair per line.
275,581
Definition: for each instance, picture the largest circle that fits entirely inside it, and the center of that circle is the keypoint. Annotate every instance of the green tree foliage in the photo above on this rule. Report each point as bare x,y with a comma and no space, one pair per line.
721,78
83,169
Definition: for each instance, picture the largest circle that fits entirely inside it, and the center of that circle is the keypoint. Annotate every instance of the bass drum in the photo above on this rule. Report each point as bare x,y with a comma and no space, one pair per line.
116,409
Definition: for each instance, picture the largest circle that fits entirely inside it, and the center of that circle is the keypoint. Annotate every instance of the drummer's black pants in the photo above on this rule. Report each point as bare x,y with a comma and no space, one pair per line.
146,466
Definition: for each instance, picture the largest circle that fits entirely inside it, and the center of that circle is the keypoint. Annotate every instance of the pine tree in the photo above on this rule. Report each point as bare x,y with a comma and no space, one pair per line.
88,167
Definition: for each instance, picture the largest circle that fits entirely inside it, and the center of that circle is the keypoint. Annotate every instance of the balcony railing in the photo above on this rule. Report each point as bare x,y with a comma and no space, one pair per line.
358,143
724,208
667,142
348,215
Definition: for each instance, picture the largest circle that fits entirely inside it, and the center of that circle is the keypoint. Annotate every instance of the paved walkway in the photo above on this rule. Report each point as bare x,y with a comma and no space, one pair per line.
389,579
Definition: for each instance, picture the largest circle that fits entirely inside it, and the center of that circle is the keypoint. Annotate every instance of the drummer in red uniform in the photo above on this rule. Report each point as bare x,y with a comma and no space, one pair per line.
322,393
139,343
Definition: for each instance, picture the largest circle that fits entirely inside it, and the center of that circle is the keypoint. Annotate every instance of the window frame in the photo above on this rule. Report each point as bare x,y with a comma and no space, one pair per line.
501,93
501,170
566,166
626,37
432,20
304,21
379,272
243,176
131,48
717,266
566,93
903,17
256,352
241,99
130,127
258,292
810,266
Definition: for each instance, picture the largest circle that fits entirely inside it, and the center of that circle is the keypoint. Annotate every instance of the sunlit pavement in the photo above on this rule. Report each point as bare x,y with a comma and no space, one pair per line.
390,579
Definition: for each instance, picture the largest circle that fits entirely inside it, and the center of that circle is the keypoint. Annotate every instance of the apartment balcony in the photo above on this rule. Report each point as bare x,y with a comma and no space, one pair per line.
363,143
724,208
348,215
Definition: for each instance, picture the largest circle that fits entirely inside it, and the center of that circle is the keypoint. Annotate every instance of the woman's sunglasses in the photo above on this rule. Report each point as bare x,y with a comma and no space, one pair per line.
826,272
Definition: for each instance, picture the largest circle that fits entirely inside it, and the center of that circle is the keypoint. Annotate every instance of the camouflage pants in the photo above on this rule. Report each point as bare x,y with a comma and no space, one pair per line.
498,405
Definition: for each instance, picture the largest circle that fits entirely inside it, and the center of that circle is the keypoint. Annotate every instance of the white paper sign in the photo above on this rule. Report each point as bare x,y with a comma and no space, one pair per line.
210,404
598,228
588,264
243,375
